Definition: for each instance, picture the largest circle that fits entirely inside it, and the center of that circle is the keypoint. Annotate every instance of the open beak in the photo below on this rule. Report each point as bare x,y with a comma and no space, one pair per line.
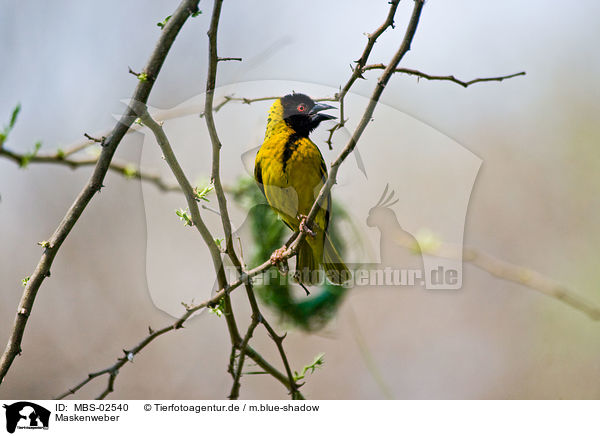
315,115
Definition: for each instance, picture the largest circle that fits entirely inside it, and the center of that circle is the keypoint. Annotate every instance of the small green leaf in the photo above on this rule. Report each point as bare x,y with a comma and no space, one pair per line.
201,194
60,153
219,309
316,363
44,244
163,23
195,14
25,280
28,156
143,77
13,119
15,114
219,241
184,216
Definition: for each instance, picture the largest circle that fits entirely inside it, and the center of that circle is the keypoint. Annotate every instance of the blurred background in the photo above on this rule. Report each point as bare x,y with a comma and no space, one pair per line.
535,201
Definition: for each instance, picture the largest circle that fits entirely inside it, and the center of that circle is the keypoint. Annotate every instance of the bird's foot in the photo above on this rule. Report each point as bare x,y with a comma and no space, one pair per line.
304,228
277,258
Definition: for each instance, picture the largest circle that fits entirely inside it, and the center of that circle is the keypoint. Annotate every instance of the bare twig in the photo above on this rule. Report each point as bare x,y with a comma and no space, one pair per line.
91,138
125,169
235,388
216,149
141,93
130,71
462,83
361,62
246,100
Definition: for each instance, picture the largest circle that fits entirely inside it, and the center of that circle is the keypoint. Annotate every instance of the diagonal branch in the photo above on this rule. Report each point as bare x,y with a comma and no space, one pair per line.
361,62
141,94
367,115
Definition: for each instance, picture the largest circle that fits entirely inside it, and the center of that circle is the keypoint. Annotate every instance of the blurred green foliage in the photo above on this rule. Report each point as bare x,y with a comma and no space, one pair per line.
270,233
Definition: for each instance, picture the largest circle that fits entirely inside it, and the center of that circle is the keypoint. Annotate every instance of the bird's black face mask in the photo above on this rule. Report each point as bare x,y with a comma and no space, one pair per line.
302,114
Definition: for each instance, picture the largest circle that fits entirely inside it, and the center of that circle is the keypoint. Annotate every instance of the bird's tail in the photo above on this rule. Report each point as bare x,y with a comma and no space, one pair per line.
336,270
307,265
313,255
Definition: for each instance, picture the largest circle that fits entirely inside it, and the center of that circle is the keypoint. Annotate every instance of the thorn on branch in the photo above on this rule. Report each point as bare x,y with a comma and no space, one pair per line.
219,59
142,77
278,339
91,138
305,288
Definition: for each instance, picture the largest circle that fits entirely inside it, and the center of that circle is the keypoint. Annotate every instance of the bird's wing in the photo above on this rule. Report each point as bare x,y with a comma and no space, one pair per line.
327,205
258,176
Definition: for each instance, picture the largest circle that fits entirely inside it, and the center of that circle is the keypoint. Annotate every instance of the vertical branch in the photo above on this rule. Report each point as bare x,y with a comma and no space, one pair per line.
235,389
141,94
213,60
211,80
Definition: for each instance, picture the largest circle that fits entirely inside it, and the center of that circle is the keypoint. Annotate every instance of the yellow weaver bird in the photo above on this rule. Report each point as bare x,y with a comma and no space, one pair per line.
290,171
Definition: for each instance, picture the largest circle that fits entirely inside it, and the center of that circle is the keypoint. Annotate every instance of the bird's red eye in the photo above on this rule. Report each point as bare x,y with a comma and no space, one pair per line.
301,107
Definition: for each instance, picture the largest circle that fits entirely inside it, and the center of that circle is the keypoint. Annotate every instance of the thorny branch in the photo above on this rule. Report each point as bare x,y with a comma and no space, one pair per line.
62,158
462,83
494,266
141,94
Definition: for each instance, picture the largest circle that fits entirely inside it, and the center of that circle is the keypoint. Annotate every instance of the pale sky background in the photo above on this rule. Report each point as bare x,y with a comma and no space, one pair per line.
535,201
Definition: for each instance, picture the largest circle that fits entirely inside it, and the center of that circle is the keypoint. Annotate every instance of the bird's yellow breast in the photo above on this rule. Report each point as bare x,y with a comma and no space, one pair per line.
291,170
291,174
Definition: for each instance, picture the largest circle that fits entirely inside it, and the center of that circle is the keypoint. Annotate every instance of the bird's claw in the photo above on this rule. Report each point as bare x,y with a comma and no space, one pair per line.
304,228
278,259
